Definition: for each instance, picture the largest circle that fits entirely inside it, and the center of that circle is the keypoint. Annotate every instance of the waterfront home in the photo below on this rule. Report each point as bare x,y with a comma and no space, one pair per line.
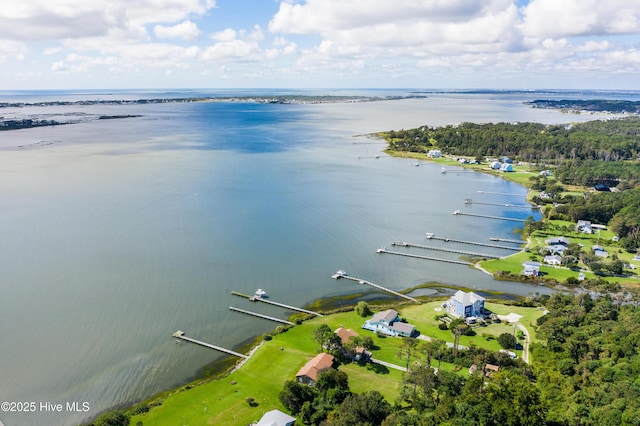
434,153
506,167
584,226
553,260
388,322
308,374
531,269
495,165
465,305
546,173
276,418
563,241
505,159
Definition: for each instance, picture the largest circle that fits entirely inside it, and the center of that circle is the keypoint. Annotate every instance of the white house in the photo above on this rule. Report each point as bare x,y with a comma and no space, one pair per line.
584,226
599,251
506,167
495,165
531,269
553,260
276,418
387,322
434,153
465,305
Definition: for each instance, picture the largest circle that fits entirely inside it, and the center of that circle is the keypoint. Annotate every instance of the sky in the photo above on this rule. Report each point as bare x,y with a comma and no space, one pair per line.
438,44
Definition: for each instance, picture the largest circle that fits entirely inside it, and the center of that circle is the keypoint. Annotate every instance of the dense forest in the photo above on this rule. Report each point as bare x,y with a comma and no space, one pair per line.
611,140
584,373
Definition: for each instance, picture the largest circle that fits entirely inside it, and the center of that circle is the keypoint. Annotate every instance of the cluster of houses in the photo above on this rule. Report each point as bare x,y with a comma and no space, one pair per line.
504,164
461,305
556,246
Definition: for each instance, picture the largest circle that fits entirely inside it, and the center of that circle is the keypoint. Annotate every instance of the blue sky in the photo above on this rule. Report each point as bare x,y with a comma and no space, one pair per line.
508,44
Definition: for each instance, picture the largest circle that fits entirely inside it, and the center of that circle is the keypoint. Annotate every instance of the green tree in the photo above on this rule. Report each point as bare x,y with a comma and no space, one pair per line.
361,409
112,418
507,340
294,395
407,349
362,309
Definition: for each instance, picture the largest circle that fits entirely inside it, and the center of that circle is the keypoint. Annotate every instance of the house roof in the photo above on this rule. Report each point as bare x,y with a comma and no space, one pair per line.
548,259
467,298
387,316
276,418
557,240
403,327
531,264
345,334
320,362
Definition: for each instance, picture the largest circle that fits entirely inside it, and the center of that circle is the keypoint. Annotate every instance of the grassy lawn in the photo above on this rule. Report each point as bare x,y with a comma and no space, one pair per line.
224,401
559,228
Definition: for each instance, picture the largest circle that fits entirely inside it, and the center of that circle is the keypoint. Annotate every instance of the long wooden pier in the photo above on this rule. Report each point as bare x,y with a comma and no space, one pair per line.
515,206
430,236
398,253
255,314
506,240
458,212
468,253
271,302
180,335
342,274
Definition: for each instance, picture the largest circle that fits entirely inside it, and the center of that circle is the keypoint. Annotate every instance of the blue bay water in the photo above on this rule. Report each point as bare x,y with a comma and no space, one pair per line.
116,233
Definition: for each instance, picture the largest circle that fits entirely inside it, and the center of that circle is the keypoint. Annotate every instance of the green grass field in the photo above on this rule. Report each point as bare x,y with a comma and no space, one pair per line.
224,401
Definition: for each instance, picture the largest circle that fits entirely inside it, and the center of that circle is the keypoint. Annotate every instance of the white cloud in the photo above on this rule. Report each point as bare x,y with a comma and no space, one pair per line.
377,28
42,20
225,35
11,51
186,30
553,18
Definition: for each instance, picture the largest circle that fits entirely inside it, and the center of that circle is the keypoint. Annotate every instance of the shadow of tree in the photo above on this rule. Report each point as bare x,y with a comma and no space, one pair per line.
377,368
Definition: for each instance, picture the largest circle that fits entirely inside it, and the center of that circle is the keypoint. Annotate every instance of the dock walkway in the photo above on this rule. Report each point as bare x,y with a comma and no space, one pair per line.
516,206
430,236
271,302
180,335
507,240
459,213
468,253
397,253
342,274
255,314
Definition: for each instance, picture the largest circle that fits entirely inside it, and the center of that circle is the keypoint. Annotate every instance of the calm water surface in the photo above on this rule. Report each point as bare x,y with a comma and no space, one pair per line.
116,233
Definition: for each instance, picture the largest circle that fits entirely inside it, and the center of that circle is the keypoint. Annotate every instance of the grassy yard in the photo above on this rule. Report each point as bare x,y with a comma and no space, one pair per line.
224,401
604,238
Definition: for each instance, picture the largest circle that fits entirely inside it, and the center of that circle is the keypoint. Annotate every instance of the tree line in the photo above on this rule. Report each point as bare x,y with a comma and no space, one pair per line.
578,150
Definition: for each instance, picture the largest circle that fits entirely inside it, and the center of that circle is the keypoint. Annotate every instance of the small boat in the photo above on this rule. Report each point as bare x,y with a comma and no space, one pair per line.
429,234
260,293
